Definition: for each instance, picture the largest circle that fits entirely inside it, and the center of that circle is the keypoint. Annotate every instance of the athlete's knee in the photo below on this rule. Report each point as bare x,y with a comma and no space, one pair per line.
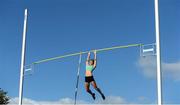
87,89
95,86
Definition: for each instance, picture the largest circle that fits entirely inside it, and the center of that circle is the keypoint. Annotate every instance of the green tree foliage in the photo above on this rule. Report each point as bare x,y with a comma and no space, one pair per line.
4,99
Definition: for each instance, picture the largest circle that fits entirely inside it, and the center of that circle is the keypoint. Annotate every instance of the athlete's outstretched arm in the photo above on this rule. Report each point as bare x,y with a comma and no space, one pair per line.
88,57
95,59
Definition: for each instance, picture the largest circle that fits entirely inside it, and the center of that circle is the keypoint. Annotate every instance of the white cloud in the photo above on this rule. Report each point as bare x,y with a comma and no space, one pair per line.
69,101
63,101
14,101
172,70
148,68
111,100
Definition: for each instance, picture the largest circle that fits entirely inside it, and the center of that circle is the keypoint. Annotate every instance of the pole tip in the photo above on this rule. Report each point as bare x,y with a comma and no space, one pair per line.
26,10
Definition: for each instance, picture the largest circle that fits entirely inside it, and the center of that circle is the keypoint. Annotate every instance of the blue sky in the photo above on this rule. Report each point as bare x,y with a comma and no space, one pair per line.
59,27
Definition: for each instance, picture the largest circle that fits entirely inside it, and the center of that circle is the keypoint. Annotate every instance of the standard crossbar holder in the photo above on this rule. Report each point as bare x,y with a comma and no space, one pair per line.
28,70
148,50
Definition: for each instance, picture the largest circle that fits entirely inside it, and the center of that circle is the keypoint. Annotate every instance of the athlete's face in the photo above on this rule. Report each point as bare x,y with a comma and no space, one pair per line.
91,62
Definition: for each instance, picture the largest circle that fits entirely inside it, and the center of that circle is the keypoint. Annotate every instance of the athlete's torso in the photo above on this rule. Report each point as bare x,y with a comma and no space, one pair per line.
89,69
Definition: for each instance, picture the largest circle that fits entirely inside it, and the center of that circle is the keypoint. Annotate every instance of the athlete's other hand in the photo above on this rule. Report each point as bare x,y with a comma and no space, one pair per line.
95,51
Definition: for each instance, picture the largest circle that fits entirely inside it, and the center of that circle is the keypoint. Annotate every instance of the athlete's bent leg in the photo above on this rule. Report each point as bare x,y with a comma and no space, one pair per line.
89,91
98,89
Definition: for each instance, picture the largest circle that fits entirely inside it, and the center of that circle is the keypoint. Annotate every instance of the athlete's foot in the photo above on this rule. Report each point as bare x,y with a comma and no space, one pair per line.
103,97
93,96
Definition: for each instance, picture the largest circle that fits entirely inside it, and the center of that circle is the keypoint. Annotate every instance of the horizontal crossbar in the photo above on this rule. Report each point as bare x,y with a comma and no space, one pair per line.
84,52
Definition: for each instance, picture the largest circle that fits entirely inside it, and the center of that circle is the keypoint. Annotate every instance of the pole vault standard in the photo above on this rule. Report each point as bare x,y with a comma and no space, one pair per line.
159,90
22,59
158,57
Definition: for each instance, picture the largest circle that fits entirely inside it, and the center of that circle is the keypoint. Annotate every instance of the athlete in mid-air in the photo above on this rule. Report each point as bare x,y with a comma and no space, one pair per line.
89,79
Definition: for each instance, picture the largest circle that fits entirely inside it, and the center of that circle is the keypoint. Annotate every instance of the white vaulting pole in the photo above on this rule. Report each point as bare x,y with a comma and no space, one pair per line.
77,82
22,59
158,58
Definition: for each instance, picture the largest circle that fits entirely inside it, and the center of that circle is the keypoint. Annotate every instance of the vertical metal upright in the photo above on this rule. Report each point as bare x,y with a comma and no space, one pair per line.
22,58
158,57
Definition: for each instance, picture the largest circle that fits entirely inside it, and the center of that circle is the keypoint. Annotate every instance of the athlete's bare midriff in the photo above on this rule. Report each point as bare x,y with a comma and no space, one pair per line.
88,73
